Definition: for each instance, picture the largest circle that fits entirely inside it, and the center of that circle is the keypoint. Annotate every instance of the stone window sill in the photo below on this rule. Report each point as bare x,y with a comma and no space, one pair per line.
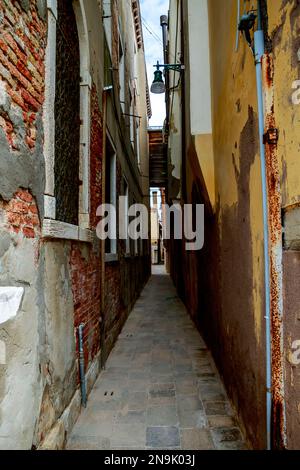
54,229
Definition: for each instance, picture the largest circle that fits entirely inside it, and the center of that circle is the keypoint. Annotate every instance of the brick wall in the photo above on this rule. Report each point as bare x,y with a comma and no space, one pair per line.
21,214
113,305
73,267
22,49
85,262
85,271
96,156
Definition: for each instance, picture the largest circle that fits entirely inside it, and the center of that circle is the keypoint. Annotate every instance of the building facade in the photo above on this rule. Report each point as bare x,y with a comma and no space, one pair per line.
74,109
156,226
236,104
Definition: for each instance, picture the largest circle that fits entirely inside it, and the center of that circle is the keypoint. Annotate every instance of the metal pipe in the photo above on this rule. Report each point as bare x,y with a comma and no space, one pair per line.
238,22
164,25
259,49
81,366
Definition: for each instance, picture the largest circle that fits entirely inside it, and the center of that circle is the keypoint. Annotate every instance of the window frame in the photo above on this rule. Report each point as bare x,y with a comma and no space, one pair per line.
113,254
126,217
52,228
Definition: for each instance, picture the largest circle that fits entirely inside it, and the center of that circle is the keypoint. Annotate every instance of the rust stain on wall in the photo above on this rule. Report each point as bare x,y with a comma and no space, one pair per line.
275,234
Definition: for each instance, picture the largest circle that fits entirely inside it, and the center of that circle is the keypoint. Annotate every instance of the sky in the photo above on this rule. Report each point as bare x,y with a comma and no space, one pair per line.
151,12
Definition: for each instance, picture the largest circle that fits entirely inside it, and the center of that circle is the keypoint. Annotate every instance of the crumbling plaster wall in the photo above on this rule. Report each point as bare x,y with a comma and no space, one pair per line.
39,384
40,374
223,284
283,33
20,380
239,324
23,33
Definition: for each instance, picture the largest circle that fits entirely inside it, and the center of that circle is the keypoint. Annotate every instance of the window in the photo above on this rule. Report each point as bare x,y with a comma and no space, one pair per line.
108,79
137,142
67,115
121,70
125,220
136,242
110,189
107,21
126,193
66,120
131,118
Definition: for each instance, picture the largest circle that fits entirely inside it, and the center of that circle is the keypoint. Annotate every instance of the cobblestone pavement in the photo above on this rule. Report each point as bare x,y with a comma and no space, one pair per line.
160,389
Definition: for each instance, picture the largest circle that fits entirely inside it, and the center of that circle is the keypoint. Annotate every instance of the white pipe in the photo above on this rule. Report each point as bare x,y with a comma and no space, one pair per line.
238,23
259,48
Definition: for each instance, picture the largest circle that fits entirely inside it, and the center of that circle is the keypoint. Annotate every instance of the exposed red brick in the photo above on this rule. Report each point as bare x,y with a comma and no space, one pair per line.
19,207
30,142
18,99
86,294
96,157
24,71
22,52
33,209
22,214
24,196
28,232
30,100
3,46
14,219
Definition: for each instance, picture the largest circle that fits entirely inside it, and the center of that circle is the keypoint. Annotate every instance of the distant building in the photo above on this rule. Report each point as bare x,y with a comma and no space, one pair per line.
156,227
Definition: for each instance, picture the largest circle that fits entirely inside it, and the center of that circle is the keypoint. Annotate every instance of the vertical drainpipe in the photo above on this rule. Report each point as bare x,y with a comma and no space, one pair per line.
238,22
81,366
164,25
259,48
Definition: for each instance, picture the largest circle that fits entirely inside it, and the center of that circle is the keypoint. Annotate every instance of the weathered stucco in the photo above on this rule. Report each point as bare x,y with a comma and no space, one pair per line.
224,285
283,31
61,277
20,376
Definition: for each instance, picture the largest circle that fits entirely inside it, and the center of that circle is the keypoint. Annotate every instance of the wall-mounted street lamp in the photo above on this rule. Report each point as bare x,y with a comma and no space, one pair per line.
246,24
158,86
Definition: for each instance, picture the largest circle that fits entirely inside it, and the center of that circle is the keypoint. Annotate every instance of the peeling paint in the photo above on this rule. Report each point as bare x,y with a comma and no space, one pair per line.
275,233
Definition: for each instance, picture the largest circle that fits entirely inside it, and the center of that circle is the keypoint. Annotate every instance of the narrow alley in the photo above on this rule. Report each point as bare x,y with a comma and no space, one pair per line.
160,389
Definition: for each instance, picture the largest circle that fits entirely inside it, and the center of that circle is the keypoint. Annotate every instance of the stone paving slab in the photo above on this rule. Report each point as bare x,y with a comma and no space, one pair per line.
160,389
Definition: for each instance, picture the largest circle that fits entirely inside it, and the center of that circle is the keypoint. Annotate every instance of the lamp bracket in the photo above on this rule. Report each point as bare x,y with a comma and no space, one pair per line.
174,67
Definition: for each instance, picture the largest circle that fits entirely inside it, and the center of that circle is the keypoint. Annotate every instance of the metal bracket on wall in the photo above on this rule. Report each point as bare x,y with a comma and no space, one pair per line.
271,136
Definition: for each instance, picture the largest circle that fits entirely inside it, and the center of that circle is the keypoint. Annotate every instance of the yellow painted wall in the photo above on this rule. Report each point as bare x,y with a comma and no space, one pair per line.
284,24
239,214
284,27
227,163
234,90
205,153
